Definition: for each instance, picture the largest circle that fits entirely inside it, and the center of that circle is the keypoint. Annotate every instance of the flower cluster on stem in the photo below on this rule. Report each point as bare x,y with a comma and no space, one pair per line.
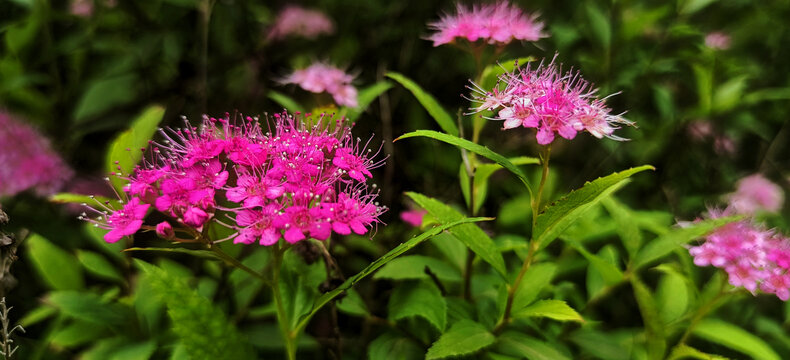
497,24
321,77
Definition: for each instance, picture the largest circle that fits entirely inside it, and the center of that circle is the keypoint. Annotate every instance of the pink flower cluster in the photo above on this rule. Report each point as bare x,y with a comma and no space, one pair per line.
498,24
754,258
28,160
298,21
321,77
550,101
755,193
293,182
718,40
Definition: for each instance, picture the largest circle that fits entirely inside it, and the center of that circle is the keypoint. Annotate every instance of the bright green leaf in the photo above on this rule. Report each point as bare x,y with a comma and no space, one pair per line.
684,351
60,270
125,151
430,104
98,265
464,337
552,309
733,337
535,279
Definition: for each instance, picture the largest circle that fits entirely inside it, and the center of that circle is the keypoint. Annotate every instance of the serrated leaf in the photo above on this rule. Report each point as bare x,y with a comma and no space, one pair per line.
60,270
126,149
202,328
475,148
378,263
413,267
428,102
559,215
88,307
393,346
365,98
464,337
421,299
552,309
471,235
665,244
289,104
733,337
523,346
535,279
654,328
98,265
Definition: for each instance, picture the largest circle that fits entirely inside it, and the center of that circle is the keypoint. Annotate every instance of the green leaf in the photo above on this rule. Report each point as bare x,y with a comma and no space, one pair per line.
733,337
672,294
475,148
559,215
471,235
421,298
98,265
492,72
394,346
60,270
37,315
627,226
289,104
729,94
77,333
353,304
69,198
454,250
366,97
125,151
482,173
665,244
654,328
413,267
119,348
535,279
88,307
202,328
608,270
691,6
684,351
552,309
430,104
464,337
600,26
375,265
523,346
136,351
104,94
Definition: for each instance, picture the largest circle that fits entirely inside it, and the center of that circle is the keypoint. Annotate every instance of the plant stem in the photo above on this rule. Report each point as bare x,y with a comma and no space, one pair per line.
282,317
236,263
533,245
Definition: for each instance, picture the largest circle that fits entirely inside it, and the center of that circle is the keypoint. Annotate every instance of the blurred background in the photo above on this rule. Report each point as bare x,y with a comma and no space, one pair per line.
707,83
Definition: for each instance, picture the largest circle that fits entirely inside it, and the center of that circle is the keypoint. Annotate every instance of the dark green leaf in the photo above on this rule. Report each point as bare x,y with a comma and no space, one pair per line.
627,226
733,337
471,235
430,104
565,211
654,328
600,25
393,346
464,337
104,94
98,265
60,270
88,307
421,299
523,346
413,267
77,333
353,304
365,97
552,309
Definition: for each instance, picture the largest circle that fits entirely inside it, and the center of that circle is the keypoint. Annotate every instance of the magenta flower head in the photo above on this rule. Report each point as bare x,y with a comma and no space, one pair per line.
497,24
291,182
300,22
28,161
752,257
321,77
546,99
755,193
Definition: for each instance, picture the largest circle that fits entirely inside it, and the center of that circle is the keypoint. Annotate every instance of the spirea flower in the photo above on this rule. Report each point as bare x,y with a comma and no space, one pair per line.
28,161
756,193
718,40
291,182
498,24
550,101
752,257
300,22
321,77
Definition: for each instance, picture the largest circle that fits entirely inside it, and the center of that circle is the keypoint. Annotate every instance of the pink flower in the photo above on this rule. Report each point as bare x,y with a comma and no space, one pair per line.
355,166
257,225
322,77
255,191
498,24
165,230
756,193
351,214
413,217
718,40
28,160
549,101
301,22
126,221
298,220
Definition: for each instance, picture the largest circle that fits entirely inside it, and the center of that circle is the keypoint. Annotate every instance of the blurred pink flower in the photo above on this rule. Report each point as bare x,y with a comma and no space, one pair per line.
498,23
724,145
718,40
700,129
413,217
321,77
81,8
28,160
301,22
756,193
